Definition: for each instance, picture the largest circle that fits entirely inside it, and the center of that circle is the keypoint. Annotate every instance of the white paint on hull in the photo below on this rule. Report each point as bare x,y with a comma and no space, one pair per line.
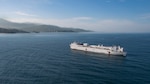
98,49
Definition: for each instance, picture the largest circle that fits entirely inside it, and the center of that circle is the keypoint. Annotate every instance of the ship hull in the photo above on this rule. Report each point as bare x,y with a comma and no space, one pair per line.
96,50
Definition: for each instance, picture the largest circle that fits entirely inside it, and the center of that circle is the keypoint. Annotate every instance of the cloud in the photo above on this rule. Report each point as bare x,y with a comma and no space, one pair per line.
122,0
105,25
108,1
145,16
23,14
82,18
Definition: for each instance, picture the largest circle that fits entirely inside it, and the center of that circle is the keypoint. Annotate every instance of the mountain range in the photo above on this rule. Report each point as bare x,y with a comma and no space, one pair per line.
8,26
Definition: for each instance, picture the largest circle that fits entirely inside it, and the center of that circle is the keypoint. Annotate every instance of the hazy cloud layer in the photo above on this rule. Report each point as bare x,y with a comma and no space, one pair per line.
106,25
23,13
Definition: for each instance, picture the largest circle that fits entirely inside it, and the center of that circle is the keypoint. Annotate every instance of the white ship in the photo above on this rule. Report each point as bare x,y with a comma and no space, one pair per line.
110,50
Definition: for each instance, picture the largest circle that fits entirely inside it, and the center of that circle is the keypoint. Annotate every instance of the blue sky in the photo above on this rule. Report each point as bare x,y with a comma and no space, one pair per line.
98,15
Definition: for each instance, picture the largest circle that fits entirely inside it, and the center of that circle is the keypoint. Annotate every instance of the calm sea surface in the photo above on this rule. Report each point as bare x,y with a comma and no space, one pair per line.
45,58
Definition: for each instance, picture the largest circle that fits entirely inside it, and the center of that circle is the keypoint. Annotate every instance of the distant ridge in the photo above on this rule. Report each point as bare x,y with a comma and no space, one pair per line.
3,30
34,27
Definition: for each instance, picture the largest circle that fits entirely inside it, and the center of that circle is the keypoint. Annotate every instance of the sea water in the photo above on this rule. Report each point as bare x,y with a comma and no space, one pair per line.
46,58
